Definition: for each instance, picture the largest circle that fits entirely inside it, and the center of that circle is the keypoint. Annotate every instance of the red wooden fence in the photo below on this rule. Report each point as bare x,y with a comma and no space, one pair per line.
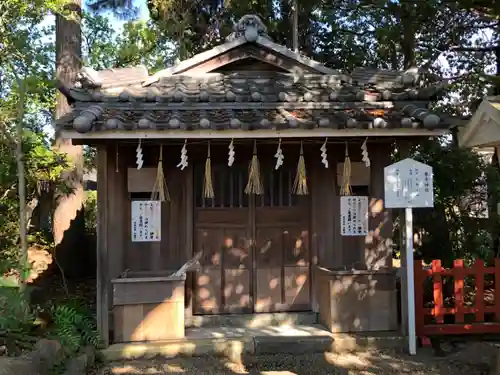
463,317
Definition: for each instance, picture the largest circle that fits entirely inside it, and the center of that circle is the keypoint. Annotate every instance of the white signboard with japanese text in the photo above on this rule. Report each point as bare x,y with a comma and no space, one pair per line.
408,184
353,216
146,221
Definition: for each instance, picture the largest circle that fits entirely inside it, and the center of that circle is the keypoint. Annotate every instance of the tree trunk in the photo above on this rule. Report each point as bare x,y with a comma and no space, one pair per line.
408,35
68,221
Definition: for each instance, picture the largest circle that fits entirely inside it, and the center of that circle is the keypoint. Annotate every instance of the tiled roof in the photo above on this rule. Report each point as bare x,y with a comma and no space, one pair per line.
130,98
253,101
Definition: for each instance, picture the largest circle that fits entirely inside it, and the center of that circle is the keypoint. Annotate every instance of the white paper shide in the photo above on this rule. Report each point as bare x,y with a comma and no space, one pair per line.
353,216
408,184
146,221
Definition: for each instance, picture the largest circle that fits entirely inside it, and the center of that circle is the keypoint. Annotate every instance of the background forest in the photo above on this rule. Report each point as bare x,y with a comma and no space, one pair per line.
45,42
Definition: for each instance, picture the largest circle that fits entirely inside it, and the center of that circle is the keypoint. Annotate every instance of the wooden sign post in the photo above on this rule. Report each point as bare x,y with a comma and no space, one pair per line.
408,184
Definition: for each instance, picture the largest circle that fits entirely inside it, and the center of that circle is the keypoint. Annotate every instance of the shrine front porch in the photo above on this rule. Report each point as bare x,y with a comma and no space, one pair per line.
259,254
233,343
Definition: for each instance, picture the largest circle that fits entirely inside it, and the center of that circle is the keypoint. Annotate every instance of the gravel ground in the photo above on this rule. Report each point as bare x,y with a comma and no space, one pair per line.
470,359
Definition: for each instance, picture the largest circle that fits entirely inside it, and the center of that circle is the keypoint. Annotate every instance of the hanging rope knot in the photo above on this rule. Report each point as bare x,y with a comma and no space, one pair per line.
346,176
160,189
300,183
254,185
208,188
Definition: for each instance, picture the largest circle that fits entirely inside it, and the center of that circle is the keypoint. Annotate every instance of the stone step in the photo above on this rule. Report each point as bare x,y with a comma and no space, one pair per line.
292,344
235,342
253,320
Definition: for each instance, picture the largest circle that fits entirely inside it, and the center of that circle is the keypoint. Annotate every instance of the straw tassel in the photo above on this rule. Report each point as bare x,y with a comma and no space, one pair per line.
160,188
300,184
346,175
254,185
208,188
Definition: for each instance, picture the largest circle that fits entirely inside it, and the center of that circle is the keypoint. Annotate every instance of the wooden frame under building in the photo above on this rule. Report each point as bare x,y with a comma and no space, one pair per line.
275,250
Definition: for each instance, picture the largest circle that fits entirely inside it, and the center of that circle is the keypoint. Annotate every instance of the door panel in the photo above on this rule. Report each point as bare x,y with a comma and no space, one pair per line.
208,299
223,285
237,296
281,245
297,288
268,289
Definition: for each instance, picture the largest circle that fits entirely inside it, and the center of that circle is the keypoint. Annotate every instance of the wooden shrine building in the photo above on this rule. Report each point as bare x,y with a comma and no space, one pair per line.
239,157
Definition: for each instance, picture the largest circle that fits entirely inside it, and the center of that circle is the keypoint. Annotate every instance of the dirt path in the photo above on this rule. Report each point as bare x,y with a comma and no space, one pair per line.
470,359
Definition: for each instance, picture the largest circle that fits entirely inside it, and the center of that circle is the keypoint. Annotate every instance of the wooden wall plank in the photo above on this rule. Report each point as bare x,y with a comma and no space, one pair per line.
102,248
188,233
325,205
170,253
378,248
118,223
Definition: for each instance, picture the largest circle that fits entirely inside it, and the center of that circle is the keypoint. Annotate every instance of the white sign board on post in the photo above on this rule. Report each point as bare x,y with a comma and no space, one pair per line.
409,184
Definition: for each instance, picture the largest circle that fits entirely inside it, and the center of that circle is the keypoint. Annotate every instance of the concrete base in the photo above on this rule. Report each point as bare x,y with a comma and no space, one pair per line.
233,343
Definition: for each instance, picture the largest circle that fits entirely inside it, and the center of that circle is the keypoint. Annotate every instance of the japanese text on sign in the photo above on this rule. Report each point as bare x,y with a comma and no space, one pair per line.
146,221
408,184
353,216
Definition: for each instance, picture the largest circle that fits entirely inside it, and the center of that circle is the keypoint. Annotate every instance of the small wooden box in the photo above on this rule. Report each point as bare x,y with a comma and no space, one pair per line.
148,308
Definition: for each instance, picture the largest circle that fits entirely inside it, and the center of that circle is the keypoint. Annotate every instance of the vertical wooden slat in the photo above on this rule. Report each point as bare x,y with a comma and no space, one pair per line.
438,291
223,175
280,188
419,298
102,248
458,275
241,188
378,249
271,188
282,265
223,252
231,188
479,301
188,198
497,290
200,172
290,187
253,248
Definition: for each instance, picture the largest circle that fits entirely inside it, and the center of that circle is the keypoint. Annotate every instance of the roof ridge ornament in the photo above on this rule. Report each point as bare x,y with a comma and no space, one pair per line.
88,77
249,26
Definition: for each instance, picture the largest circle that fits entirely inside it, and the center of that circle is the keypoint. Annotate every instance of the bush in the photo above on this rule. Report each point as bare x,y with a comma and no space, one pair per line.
91,211
74,326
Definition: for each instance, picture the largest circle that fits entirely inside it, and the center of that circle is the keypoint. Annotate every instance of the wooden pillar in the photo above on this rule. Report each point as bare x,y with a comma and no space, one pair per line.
323,215
102,248
188,199
111,229
378,244
326,243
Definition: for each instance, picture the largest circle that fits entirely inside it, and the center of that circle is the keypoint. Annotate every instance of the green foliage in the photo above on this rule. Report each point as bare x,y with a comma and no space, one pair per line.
43,168
74,326
138,43
15,310
463,221
16,320
91,211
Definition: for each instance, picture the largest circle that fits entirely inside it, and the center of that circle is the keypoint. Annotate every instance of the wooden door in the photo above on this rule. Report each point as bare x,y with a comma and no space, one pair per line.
223,234
281,220
255,248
